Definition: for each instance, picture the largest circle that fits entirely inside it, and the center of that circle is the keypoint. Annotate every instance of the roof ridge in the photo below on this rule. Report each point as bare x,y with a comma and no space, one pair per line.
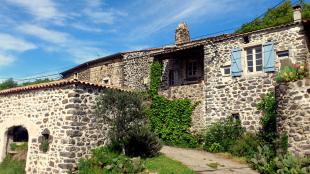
56,83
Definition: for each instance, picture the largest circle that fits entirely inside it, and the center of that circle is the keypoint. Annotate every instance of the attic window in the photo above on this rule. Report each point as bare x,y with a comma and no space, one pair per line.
106,81
246,39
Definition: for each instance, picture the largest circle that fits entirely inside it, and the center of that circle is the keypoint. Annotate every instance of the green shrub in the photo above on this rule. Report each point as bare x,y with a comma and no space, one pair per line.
13,146
216,147
262,160
142,142
125,113
289,164
283,144
245,146
291,73
224,132
170,119
268,131
104,160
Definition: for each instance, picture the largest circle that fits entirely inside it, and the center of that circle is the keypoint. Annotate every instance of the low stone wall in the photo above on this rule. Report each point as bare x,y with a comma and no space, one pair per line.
66,112
294,115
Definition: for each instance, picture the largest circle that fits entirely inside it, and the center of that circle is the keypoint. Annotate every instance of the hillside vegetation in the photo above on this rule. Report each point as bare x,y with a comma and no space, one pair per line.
282,14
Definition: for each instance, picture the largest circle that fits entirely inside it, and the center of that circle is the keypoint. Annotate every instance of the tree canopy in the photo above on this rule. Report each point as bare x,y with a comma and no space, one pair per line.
277,16
10,83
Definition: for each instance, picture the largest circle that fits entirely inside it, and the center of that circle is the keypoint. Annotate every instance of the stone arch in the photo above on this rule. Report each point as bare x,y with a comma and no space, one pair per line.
32,129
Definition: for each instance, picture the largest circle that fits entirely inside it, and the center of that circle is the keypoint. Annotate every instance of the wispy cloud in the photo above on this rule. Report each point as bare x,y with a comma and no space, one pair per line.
41,9
11,43
52,36
6,59
85,27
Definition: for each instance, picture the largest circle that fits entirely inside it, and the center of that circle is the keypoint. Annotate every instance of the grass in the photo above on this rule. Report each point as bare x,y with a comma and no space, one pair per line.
9,166
227,155
165,165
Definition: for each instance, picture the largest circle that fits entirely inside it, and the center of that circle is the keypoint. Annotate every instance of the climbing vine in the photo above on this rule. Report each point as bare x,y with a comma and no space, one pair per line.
170,119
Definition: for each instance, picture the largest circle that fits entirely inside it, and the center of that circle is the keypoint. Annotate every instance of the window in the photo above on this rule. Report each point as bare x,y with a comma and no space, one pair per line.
191,69
171,77
106,81
254,59
283,54
235,116
246,39
226,70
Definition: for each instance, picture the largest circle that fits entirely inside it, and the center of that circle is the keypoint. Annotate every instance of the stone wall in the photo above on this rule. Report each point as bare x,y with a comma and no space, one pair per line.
294,115
226,95
66,111
109,73
137,70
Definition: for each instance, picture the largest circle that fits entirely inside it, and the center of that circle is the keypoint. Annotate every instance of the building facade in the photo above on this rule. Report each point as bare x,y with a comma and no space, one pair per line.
226,74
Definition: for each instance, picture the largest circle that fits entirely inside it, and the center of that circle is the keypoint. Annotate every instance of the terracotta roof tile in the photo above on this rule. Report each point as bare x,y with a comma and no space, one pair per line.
55,84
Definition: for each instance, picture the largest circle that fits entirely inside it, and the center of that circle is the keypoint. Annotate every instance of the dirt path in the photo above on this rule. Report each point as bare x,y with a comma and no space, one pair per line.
203,162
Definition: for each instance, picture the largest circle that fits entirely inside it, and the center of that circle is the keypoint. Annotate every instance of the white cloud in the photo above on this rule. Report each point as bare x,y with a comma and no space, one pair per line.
45,34
11,43
41,9
84,27
6,59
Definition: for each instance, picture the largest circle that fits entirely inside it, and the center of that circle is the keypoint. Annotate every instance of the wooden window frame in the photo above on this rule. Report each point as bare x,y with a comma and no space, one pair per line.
254,54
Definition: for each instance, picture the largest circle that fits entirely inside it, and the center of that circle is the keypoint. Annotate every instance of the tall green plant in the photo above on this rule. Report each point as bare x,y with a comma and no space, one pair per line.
268,131
170,119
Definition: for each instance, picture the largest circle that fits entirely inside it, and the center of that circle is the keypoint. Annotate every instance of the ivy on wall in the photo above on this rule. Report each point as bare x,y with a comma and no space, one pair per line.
170,119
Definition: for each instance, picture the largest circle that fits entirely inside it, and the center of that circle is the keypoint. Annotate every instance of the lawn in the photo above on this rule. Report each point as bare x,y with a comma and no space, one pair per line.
9,166
165,165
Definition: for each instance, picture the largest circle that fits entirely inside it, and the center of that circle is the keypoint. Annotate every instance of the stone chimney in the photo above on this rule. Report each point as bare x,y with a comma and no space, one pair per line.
182,34
297,13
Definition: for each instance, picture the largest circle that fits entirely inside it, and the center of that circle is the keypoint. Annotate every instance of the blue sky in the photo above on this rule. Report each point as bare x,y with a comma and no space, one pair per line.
40,37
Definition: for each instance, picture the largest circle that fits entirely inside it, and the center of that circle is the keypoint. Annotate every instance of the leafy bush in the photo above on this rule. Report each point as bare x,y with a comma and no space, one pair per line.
104,160
125,113
216,147
289,164
224,132
170,119
245,146
142,142
291,73
268,131
263,160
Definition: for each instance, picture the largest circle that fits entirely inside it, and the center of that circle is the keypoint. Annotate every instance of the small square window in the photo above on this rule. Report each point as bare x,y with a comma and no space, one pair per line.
226,70
283,54
235,116
246,39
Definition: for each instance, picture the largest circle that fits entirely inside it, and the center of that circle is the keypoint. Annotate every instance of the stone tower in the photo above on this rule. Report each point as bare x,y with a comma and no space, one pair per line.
182,34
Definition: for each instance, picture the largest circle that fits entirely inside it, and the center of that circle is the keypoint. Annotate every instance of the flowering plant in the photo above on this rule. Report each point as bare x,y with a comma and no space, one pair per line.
292,73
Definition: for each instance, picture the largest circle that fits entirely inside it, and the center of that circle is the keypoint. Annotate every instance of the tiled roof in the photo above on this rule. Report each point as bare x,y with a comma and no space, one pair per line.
54,84
219,38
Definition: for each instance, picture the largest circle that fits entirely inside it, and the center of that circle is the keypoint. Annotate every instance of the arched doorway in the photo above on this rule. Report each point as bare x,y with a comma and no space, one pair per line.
17,143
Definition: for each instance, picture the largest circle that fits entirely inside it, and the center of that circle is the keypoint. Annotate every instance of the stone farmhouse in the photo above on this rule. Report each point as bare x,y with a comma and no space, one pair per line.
226,74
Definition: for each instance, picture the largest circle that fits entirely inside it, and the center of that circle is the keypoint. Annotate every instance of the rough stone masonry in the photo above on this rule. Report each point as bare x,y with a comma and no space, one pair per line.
65,109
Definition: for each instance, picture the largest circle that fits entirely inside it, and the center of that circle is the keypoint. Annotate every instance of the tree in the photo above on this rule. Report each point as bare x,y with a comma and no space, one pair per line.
9,83
280,15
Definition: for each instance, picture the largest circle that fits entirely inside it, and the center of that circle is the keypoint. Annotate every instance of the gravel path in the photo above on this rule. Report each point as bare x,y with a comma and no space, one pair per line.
203,162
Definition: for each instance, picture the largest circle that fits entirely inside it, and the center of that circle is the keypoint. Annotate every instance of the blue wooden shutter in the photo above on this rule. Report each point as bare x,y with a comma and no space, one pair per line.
236,68
269,57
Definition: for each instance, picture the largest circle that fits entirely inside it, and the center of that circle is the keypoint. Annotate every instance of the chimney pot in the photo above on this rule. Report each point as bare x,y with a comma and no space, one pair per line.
297,13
